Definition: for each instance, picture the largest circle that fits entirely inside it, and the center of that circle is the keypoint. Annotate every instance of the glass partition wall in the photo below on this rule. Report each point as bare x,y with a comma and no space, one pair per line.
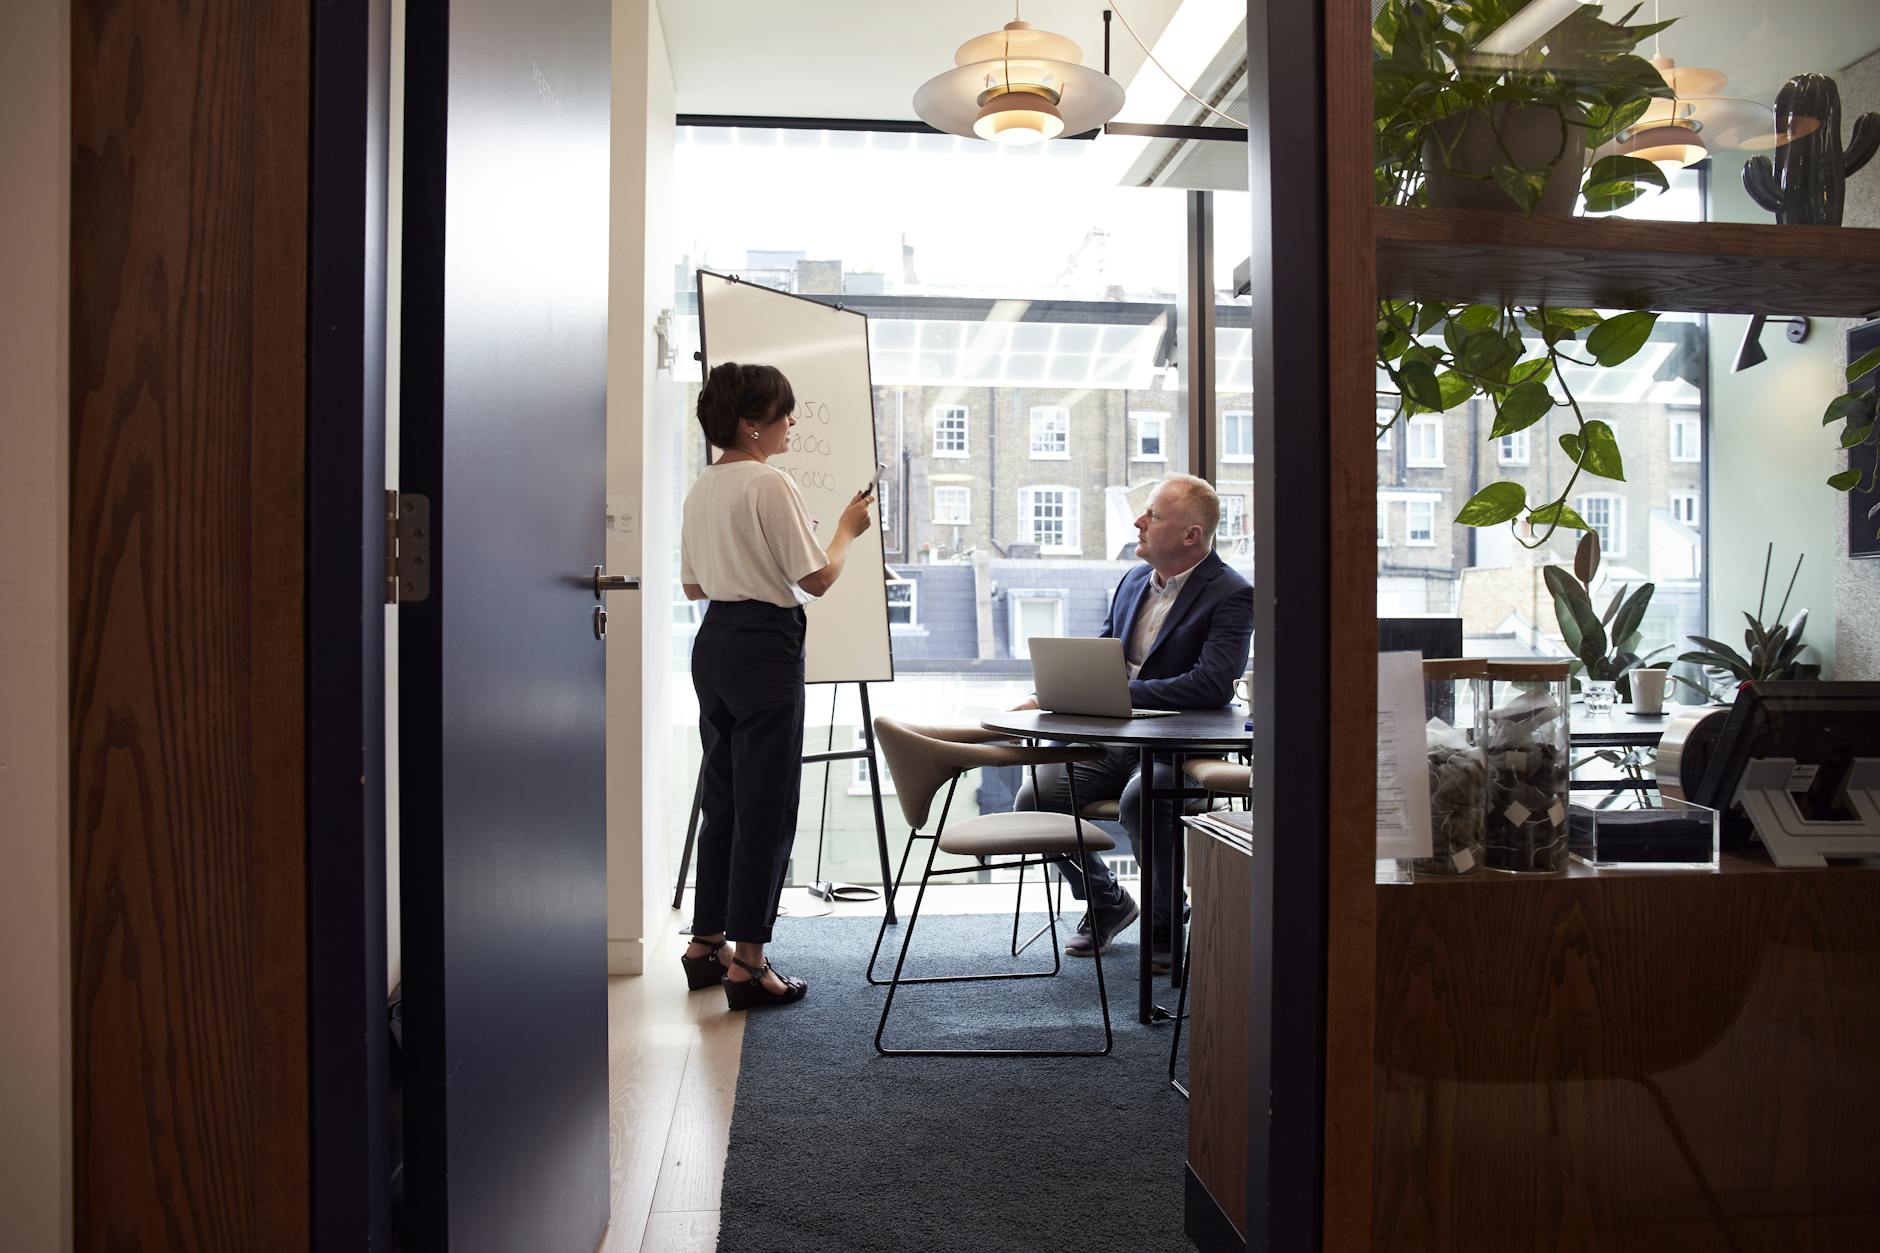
1028,393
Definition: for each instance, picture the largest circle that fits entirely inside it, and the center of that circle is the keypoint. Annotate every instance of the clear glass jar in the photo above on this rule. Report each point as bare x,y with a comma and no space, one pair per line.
1522,727
1452,694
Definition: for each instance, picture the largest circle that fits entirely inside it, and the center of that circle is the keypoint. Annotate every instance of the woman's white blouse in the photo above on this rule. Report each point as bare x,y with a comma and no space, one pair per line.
745,535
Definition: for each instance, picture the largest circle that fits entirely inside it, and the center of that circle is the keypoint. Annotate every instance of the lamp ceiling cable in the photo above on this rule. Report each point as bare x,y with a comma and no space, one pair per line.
1122,17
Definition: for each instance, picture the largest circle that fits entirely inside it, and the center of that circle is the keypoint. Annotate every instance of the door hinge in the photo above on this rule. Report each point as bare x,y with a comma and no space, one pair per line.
407,547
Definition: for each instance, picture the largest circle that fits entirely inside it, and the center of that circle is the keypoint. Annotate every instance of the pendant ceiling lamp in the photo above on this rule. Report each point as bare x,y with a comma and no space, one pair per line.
1699,119
1018,85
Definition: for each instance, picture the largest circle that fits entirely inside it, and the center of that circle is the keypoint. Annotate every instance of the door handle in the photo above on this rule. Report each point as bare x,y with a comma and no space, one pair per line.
604,582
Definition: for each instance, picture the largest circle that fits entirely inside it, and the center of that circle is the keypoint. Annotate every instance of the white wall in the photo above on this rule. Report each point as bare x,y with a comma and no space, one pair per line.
35,943
1857,580
1769,463
639,505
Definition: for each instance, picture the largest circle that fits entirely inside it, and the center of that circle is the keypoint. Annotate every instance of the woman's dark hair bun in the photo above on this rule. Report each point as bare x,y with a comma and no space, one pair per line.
734,394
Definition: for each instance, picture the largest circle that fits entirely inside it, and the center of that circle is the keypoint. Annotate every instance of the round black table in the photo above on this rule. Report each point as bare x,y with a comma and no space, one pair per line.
1188,733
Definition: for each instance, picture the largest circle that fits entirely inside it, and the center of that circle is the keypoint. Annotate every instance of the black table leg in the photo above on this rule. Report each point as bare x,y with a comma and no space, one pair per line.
1177,894
1145,855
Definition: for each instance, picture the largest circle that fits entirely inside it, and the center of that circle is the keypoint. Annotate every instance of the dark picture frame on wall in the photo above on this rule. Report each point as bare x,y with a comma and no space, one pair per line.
1863,532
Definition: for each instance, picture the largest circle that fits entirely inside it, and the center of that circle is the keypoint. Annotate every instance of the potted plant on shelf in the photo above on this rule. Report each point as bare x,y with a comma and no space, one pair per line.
1774,652
1604,646
1439,75
1478,107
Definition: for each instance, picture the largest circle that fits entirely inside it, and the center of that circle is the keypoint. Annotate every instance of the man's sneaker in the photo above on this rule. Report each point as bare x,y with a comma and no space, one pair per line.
1109,921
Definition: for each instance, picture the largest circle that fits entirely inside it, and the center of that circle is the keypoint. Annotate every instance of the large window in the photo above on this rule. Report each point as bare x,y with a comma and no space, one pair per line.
1233,517
1513,449
1027,395
1050,433
1420,523
1048,517
1686,443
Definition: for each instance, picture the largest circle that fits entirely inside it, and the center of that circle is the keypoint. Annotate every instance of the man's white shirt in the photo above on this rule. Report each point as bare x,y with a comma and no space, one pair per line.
1157,599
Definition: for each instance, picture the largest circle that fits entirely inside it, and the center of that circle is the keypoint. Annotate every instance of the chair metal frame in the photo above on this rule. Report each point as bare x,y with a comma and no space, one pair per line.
896,981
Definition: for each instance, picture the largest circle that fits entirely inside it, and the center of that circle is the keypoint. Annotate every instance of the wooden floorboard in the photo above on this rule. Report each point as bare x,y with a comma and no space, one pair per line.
682,1231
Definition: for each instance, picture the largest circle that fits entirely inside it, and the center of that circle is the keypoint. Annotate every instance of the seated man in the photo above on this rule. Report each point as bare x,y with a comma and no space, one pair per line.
1185,619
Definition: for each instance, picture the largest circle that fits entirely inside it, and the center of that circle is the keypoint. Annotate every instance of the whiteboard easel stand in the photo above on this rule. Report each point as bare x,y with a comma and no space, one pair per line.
874,792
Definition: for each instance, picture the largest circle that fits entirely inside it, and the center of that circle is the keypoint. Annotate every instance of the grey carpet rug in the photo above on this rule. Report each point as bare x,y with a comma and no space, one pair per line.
836,1148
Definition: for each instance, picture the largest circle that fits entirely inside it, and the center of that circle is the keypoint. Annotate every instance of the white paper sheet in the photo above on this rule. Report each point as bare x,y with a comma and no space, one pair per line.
1403,772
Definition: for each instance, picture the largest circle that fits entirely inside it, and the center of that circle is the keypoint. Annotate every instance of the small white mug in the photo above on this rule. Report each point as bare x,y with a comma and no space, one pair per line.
1648,690
1243,687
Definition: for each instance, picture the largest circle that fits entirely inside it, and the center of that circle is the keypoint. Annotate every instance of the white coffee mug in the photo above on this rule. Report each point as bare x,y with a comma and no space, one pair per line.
1648,690
1243,687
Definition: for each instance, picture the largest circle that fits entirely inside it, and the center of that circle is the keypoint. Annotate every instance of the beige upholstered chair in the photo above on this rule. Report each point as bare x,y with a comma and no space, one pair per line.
922,761
1233,779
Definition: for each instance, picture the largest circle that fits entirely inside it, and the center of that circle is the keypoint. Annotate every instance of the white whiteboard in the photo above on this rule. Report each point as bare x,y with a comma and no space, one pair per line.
823,351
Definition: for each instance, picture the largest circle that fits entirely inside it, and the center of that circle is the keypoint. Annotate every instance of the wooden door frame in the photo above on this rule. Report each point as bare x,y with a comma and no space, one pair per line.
227,843
1313,299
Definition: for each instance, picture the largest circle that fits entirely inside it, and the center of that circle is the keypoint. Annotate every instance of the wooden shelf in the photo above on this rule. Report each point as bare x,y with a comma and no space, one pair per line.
1460,255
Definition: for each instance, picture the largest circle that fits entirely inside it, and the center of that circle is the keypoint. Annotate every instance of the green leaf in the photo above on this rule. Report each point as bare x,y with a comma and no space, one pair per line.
1617,169
1495,503
1453,389
1601,451
1536,371
1478,317
1844,481
1625,626
1618,598
1560,513
1870,361
1618,338
1429,316
1524,187
1483,352
1418,381
1573,319
1586,557
1855,405
1856,434
1521,408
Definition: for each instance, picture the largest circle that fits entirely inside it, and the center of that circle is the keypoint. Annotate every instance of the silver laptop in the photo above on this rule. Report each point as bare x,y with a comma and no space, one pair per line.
1084,676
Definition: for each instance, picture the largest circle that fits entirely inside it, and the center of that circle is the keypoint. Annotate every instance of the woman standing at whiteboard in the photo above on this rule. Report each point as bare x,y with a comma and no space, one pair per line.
748,546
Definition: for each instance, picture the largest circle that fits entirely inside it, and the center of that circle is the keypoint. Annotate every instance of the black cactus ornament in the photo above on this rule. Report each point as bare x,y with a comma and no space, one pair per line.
1806,183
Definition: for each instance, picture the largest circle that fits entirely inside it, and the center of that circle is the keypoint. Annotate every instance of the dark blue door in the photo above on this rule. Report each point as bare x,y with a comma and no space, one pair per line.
502,425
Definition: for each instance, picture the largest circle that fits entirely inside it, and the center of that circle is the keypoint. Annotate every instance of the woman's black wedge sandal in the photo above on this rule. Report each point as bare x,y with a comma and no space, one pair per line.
754,995
705,971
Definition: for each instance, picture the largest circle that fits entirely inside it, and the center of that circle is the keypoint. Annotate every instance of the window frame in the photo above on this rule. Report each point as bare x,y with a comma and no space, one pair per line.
1694,443
1383,522
1051,413
1227,425
913,600
1423,422
1522,447
1615,523
1142,417
1240,502
1696,501
1072,519
858,770
941,416
1410,508
966,491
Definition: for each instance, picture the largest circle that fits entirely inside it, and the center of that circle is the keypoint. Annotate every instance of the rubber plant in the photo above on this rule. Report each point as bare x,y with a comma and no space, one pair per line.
1604,646
1438,355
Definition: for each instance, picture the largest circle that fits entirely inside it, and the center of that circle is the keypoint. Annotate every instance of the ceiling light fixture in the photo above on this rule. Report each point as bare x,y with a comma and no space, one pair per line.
1018,85
1750,352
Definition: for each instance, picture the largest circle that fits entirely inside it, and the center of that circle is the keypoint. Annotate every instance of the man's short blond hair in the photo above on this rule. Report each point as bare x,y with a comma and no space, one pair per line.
1199,502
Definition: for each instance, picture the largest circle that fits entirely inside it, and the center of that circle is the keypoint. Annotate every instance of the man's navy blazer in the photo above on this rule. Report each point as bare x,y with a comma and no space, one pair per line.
1202,647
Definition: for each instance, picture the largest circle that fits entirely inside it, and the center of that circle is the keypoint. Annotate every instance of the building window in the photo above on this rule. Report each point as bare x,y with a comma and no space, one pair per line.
858,779
949,431
1684,507
903,602
1383,523
1034,612
1420,527
1514,449
1605,514
1047,517
1686,442
1151,436
952,505
1233,518
1050,433
1424,441
1386,415
885,507
1237,435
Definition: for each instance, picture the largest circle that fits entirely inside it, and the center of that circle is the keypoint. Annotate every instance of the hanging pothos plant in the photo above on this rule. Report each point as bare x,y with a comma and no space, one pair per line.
1440,355
1860,410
